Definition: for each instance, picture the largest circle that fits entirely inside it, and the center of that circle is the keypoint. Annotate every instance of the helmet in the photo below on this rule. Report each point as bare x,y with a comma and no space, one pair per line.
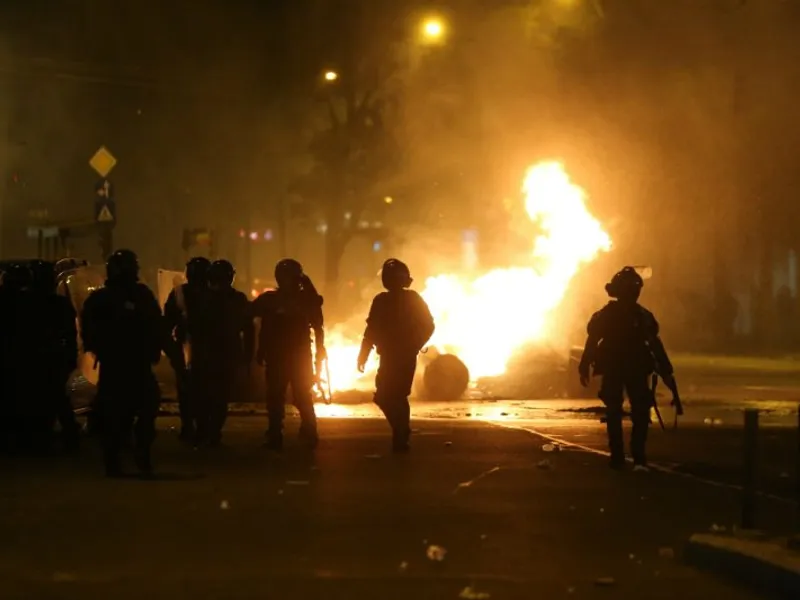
221,273
625,285
395,275
44,276
17,277
122,267
197,270
288,273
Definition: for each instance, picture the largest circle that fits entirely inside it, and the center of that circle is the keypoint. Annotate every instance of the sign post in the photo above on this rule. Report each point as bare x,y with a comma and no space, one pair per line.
105,207
105,215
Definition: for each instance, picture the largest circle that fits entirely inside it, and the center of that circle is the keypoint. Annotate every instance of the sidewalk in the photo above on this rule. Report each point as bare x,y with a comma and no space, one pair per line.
763,562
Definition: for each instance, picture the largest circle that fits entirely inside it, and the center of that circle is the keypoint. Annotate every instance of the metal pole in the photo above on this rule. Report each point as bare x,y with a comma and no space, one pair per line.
750,464
283,231
797,476
106,241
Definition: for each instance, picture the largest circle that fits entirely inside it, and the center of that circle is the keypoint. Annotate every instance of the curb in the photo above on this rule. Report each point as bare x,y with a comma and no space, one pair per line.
768,565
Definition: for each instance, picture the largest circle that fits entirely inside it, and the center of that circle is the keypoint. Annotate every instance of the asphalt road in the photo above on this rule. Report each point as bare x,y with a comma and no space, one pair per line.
353,521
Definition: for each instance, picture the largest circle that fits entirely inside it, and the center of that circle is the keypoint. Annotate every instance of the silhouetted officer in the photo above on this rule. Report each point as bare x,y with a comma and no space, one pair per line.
19,385
398,327
624,347
180,313
288,314
123,327
58,353
222,342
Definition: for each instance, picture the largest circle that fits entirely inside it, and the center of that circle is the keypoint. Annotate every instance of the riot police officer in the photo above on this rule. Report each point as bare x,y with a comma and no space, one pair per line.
180,313
222,341
624,347
19,348
123,327
398,327
58,352
288,314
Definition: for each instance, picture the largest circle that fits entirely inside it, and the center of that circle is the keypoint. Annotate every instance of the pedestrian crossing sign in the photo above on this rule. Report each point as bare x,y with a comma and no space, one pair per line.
105,215
105,212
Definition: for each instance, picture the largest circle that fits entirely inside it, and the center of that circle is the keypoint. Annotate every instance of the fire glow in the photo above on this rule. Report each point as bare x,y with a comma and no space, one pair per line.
484,320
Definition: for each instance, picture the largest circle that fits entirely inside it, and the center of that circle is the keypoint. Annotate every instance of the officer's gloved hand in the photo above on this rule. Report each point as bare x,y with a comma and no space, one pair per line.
362,362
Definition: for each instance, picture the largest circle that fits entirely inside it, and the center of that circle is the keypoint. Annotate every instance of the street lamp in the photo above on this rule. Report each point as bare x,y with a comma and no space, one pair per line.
432,30
331,76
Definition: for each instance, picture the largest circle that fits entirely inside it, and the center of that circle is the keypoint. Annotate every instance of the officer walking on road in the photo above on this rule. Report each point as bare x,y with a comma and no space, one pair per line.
398,327
288,315
20,384
222,342
123,327
624,347
180,312
59,353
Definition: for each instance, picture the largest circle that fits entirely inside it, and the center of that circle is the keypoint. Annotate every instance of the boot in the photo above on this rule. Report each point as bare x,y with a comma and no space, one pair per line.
616,444
400,441
639,441
309,436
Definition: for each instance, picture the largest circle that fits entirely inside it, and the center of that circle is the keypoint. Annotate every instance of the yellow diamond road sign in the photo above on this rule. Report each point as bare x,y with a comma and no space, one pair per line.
102,161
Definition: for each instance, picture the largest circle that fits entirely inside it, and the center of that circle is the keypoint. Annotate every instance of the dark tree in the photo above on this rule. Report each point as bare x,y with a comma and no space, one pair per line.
354,67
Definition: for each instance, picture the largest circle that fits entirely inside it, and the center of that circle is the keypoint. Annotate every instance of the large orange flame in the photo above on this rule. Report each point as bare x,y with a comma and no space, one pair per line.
486,319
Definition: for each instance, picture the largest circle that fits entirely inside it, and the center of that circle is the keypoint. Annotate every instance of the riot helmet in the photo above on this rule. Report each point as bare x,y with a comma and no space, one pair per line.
288,273
625,285
395,275
122,267
221,274
197,270
17,277
44,276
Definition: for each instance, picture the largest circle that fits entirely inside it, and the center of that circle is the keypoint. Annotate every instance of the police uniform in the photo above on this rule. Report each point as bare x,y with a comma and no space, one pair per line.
59,353
221,342
398,327
123,327
624,347
21,413
180,312
288,315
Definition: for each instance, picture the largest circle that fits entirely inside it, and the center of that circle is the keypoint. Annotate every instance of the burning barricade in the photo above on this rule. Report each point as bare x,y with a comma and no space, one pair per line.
483,322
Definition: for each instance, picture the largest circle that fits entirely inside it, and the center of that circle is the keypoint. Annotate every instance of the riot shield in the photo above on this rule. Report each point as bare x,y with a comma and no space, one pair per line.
168,281
77,284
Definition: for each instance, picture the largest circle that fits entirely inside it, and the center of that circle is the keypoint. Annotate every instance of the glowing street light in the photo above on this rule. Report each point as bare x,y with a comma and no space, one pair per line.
331,76
432,30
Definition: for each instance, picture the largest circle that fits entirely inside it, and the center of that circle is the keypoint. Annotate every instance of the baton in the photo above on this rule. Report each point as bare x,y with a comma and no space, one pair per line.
654,384
328,381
